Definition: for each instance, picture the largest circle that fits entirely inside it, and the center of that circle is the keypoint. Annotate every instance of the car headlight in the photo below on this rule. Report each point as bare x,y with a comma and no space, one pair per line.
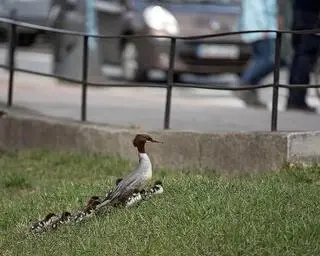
158,18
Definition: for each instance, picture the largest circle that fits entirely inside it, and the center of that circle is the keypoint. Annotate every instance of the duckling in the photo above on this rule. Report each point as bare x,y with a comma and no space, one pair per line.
134,198
156,189
65,217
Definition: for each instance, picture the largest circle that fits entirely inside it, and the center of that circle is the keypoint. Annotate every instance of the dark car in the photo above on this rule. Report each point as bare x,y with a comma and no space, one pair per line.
177,18
29,11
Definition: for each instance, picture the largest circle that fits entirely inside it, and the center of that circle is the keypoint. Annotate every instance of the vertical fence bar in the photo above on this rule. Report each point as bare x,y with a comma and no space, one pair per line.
11,53
276,77
84,79
170,83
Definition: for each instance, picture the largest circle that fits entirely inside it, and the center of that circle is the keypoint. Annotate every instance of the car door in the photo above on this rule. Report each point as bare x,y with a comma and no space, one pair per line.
110,20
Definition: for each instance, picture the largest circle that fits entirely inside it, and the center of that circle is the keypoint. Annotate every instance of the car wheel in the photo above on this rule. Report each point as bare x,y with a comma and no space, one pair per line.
177,77
25,39
239,74
130,63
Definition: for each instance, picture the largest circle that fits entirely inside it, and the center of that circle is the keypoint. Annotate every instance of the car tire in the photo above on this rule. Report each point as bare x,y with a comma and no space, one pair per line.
25,39
177,77
130,64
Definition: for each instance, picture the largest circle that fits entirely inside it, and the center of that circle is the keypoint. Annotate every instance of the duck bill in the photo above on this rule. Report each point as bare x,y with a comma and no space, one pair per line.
156,141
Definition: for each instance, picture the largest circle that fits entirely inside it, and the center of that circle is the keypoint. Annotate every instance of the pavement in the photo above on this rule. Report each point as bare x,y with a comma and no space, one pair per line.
192,109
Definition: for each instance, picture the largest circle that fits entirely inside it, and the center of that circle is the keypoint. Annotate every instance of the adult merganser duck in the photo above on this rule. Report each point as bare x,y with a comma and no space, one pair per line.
135,180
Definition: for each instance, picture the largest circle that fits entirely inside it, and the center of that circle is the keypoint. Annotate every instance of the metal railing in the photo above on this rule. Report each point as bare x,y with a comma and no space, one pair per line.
170,78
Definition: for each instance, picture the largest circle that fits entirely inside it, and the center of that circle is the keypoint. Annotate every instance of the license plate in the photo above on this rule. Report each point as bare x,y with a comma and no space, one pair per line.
218,51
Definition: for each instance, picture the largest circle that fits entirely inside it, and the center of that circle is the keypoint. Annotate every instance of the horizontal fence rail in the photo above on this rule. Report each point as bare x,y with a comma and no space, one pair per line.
170,78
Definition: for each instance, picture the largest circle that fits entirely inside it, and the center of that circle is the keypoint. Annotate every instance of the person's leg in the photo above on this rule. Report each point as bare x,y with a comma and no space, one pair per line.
260,65
263,63
305,48
303,62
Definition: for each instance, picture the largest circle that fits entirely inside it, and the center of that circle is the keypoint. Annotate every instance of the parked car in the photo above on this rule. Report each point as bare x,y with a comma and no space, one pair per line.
168,17
177,18
29,11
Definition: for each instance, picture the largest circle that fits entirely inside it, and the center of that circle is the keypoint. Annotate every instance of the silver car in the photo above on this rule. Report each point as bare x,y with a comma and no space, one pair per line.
30,11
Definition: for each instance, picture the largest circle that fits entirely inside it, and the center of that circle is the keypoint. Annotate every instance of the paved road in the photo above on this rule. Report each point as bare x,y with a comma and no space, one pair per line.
192,109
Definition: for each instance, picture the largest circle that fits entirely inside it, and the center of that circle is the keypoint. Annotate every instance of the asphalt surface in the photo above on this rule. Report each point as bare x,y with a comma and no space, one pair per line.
192,109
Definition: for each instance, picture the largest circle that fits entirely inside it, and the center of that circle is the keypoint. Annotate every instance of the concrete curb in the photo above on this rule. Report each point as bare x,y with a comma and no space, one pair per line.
226,153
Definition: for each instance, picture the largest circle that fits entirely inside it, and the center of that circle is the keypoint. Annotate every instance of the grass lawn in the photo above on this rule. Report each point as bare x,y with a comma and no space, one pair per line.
270,214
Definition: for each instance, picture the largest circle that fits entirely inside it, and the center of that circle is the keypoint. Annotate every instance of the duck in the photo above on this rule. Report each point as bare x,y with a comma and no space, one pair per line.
137,179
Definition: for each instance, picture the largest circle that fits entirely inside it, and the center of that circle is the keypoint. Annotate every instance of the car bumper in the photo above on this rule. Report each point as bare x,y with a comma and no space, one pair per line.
217,57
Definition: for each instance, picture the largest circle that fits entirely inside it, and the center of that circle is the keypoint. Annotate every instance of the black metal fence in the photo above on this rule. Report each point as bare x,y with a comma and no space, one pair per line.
170,81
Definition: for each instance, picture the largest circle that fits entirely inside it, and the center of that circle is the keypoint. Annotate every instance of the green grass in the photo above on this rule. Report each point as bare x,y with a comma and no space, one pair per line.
270,214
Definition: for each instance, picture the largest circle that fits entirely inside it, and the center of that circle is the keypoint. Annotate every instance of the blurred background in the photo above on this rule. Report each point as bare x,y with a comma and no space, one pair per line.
135,60
219,60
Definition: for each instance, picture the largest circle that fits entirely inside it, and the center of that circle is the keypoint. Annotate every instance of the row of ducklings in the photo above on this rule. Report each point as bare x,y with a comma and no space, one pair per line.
52,220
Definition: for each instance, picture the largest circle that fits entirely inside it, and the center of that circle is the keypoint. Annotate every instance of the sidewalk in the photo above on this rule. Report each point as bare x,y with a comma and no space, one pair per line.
199,110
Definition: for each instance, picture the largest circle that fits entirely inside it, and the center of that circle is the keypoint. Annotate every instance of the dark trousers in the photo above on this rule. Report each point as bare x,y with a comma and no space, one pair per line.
306,48
261,63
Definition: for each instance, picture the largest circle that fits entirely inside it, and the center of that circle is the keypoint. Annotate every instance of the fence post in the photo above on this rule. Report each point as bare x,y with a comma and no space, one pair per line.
275,91
84,79
11,55
170,83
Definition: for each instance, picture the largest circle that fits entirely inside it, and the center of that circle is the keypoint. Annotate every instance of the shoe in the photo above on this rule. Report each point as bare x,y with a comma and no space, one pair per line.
302,107
250,98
